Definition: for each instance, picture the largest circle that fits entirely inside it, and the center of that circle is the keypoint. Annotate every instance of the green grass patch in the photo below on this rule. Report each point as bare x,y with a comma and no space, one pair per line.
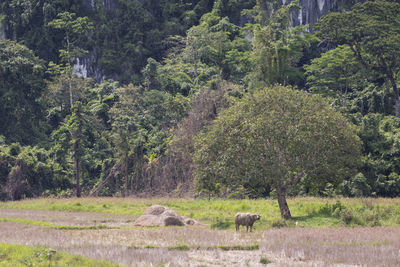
219,213
265,261
17,255
364,244
54,226
181,247
151,246
219,224
185,247
239,247
350,244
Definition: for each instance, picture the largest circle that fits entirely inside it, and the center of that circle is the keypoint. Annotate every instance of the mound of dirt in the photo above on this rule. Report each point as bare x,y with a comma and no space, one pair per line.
157,215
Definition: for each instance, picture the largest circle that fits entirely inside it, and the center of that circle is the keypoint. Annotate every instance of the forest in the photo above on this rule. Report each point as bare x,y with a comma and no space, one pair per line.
203,98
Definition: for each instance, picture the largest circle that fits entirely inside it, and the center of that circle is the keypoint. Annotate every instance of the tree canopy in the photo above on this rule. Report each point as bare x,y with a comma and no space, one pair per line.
21,86
372,31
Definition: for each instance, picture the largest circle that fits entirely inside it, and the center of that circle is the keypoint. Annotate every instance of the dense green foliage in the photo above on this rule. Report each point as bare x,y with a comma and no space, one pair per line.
161,71
21,85
372,32
276,137
29,171
278,48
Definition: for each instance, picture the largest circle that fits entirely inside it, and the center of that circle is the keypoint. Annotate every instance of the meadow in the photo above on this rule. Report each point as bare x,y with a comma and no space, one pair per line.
18,255
219,213
323,232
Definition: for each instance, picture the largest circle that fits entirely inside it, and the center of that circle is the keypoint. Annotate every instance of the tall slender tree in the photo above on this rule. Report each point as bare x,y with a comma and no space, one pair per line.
128,135
74,29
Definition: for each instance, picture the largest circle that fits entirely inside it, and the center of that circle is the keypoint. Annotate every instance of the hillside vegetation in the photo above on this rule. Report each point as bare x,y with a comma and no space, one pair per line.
199,98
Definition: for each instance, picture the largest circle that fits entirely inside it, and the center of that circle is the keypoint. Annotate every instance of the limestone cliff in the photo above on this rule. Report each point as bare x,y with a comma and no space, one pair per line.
2,28
309,14
312,10
108,4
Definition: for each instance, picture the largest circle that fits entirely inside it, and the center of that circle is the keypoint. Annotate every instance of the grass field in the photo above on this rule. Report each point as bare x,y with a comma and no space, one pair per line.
17,255
307,212
328,232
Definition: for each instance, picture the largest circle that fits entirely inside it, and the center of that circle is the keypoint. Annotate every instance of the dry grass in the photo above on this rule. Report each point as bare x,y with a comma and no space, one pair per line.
70,218
134,246
121,245
366,246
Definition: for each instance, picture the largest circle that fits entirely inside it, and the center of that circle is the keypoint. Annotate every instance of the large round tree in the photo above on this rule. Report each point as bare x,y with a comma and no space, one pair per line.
277,137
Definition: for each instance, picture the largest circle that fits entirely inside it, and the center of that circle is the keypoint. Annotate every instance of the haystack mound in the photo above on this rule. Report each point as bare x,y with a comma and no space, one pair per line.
157,215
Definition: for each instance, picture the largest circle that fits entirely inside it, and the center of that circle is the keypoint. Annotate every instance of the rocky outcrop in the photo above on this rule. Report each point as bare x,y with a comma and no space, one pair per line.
157,215
87,67
313,10
2,28
108,4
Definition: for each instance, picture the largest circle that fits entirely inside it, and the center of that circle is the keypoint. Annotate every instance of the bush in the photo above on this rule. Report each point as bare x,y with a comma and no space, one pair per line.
346,216
265,261
278,223
398,219
29,172
331,209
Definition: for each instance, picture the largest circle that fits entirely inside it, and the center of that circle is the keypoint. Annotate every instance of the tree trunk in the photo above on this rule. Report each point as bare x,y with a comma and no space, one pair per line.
71,100
195,72
283,206
113,173
78,176
387,85
396,94
77,152
126,174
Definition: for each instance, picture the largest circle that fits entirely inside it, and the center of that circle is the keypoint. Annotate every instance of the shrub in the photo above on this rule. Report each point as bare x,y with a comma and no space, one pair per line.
265,261
398,219
278,223
346,216
349,216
